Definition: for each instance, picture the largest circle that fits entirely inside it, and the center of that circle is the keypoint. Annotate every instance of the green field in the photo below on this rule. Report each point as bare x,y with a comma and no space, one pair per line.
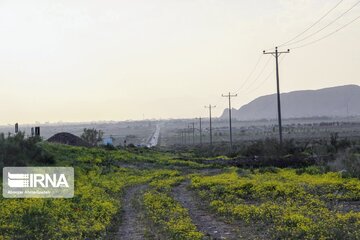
267,203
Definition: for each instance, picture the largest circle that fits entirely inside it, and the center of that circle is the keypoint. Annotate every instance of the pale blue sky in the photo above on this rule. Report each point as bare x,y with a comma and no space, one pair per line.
116,60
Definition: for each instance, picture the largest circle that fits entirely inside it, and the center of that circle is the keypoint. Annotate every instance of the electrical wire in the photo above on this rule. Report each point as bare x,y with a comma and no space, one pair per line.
260,74
290,42
252,72
313,25
329,24
265,79
328,35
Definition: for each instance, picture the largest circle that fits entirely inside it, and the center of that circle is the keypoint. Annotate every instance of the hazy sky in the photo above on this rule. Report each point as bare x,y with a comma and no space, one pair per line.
115,60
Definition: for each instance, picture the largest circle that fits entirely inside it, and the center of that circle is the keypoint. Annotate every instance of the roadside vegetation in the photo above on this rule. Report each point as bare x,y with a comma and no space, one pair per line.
329,154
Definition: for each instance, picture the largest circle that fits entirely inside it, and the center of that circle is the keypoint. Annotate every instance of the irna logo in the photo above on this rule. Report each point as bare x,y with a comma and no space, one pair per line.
38,182
18,180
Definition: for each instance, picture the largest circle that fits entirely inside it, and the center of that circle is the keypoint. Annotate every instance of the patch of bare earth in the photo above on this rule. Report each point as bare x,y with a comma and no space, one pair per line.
345,206
131,226
212,226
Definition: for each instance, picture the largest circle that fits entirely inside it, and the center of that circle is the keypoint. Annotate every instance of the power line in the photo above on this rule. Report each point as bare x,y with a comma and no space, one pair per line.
258,61
252,72
313,25
329,24
261,72
291,42
258,86
265,79
328,35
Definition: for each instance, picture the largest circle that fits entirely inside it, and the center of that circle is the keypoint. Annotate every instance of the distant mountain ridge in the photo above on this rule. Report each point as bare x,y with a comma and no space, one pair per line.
339,101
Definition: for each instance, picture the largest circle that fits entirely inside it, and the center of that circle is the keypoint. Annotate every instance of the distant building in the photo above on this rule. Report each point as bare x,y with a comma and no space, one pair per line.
108,141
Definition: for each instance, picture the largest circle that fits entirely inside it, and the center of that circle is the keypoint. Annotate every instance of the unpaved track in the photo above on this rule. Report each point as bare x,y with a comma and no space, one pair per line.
131,225
210,225
205,222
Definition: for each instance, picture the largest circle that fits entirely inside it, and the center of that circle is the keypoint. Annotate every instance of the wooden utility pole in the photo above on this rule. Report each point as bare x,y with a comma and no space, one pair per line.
185,136
200,130
210,107
230,126
182,137
193,132
276,54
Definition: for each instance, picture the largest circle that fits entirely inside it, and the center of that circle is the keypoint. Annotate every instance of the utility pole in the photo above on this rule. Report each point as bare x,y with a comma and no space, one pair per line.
210,107
185,136
193,125
188,132
276,54
182,137
193,133
200,130
230,96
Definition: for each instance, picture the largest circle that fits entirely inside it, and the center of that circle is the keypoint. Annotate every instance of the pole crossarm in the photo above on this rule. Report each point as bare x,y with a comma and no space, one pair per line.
278,52
229,95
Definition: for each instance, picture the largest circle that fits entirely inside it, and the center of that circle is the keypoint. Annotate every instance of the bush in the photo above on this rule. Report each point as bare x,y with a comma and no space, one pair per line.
271,147
17,150
312,170
268,170
352,165
109,147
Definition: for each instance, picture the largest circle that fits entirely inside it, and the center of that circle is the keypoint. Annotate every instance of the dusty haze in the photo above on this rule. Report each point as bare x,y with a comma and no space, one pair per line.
116,60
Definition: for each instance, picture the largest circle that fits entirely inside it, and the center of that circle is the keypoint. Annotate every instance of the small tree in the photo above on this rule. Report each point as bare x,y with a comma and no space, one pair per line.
92,136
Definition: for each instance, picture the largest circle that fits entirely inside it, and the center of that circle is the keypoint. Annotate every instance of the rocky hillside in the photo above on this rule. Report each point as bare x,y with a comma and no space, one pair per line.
339,101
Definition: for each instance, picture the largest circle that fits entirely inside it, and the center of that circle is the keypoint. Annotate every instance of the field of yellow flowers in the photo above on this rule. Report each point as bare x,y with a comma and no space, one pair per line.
290,204
286,203
95,210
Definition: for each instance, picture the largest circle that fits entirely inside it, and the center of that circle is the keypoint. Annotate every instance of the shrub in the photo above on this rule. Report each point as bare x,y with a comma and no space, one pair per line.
310,170
17,150
352,165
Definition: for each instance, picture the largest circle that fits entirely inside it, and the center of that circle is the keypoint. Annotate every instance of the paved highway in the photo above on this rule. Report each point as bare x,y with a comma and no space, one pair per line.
154,139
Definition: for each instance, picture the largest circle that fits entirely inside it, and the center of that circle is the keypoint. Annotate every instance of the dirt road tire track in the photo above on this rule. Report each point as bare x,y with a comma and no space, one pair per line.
131,225
206,223
210,224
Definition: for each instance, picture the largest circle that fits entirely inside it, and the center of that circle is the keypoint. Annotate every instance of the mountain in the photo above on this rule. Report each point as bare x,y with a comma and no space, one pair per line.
339,101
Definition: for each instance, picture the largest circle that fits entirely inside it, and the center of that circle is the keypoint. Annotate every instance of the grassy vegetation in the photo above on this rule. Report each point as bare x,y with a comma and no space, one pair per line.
302,203
88,215
270,147
170,216
99,187
292,205
330,154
